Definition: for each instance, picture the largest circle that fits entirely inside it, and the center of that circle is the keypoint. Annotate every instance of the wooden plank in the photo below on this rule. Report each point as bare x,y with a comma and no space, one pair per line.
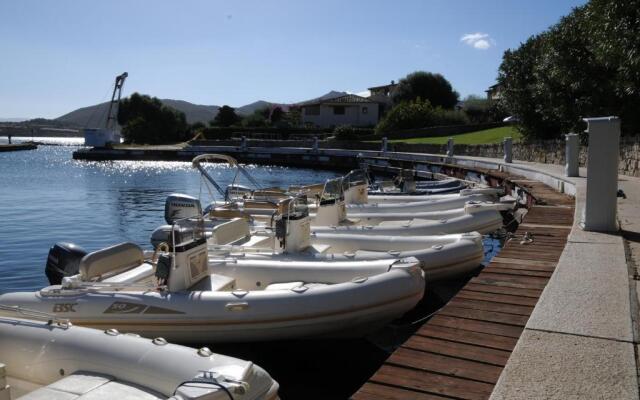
508,260
373,390
481,315
517,271
497,289
477,326
405,357
522,266
454,349
507,281
463,337
433,383
497,298
491,306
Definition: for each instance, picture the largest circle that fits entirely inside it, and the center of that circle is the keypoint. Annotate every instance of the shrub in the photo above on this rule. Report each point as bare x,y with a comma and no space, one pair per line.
345,132
418,114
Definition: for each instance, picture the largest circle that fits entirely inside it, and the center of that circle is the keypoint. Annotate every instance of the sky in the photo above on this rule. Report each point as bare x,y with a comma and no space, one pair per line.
56,56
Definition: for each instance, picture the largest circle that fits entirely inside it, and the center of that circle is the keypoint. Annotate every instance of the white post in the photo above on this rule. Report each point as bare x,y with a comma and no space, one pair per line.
384,144
243,144
450,147
508,149
572,153
315,144
600,210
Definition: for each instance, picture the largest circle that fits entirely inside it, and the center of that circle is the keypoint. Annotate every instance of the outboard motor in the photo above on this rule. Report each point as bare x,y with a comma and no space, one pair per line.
181,206
63,260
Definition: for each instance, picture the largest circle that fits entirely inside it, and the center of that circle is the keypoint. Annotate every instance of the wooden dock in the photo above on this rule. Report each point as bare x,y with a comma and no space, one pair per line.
460,352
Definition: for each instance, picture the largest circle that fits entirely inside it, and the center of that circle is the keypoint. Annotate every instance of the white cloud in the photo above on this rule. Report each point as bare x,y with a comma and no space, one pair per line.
478,40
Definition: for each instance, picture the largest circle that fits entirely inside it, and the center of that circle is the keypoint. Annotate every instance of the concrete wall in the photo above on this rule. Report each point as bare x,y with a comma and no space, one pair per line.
353,115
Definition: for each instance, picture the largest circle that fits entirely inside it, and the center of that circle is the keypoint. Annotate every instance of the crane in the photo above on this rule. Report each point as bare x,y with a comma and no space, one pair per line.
112,115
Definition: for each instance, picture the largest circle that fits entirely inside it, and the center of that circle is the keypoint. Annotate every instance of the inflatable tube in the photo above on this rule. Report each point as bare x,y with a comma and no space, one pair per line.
53,359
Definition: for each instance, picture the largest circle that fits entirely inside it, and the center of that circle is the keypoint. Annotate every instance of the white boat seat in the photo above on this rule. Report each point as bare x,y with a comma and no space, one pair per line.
133,275
88,386
115,258
230,232
284,285
258,241
215,283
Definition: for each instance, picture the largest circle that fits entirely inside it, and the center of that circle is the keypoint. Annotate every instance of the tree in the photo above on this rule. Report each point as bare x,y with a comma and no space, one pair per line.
427,86
259,118
146,120
226,117
588,64
276,115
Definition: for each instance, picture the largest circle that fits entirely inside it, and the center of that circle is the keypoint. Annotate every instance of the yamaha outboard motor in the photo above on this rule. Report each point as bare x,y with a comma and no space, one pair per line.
180,206
63,260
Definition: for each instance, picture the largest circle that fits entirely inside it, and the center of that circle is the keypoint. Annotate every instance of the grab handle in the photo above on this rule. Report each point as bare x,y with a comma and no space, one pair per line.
239,306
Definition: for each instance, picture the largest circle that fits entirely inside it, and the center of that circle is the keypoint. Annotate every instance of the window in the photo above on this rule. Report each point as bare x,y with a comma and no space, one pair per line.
365,110
312,110
338,110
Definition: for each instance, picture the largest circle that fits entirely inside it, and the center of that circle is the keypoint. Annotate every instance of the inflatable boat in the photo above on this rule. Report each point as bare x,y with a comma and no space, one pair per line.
45,357
413,188
183,296
290,239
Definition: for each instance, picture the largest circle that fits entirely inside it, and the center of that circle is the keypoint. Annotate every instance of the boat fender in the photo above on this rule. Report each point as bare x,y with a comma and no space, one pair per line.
163,268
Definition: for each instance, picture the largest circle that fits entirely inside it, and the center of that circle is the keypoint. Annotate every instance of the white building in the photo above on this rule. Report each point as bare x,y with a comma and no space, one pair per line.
348,109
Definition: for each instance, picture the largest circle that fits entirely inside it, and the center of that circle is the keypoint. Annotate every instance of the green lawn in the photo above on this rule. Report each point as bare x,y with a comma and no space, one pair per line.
486,136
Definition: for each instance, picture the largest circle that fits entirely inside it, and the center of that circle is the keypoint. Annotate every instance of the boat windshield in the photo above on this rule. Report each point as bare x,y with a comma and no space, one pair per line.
187,230
333,191
356,177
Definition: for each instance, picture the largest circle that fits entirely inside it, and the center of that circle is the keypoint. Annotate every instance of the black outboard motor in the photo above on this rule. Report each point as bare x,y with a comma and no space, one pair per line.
63,260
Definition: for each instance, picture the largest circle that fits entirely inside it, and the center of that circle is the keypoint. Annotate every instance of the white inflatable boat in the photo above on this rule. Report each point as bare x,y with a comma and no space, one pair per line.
183,298
290,239
44,357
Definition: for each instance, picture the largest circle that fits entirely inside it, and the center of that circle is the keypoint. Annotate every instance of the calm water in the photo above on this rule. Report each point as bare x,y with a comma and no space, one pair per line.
46,197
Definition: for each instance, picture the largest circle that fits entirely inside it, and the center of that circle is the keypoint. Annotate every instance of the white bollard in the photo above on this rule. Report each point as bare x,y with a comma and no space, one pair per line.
315,144
384,144
508,149
450,147
572,154
600,210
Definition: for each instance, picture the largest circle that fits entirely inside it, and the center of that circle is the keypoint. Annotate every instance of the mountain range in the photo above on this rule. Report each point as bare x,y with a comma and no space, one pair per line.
95,115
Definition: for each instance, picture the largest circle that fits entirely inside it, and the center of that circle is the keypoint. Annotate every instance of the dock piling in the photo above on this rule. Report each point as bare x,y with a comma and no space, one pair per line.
572,152
600,210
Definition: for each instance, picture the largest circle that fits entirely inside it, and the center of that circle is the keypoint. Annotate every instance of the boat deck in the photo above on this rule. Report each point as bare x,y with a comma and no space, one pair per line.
461,351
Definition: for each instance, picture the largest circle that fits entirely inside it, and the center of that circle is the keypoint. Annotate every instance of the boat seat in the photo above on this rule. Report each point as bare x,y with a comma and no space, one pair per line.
88,386
230,232
112,259
214,283
133,275
258,241
284,285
